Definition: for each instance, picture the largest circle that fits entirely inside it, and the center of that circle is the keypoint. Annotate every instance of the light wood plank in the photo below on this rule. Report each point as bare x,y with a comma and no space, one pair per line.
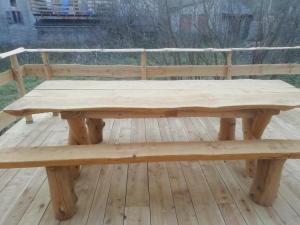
98,207
126,71
27,196
204,97
265,69
12,52
75,70
224,199
182,200
242,200
161,200
185,71
137,210
151,152
115,209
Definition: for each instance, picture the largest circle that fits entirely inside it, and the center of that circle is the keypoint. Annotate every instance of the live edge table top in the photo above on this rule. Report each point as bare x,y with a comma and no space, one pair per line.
169,98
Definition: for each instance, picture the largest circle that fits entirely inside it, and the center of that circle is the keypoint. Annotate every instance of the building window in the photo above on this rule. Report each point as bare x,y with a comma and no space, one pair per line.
203,24
186,23
13,3
14,17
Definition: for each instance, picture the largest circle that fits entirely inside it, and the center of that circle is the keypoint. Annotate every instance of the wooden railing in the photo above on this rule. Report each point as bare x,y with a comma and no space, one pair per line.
142,71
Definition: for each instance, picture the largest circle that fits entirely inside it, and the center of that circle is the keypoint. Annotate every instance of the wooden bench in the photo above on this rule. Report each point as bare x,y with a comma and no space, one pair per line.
271,155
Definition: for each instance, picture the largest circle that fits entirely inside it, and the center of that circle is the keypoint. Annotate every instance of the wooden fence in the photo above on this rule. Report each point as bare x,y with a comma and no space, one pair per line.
142,71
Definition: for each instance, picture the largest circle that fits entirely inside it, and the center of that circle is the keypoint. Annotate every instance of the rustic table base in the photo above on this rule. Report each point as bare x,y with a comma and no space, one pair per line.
266,182
266,173
61,179
61,187
90,131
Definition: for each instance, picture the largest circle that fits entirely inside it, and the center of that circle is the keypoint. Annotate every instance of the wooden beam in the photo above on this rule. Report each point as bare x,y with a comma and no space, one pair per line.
122,71
148,152
265,69
138,50
18,73
121,114
47,68
6,77
144,65
229,65
186,71
11,53
73,70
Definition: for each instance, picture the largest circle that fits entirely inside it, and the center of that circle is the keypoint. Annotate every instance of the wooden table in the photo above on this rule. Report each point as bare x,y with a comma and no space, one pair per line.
84,104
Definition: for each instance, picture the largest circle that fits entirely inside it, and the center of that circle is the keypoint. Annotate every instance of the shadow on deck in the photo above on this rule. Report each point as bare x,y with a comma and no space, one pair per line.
172,193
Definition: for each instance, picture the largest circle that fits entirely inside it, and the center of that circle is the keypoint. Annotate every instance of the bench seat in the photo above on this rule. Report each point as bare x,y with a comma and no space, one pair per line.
61,162
148,152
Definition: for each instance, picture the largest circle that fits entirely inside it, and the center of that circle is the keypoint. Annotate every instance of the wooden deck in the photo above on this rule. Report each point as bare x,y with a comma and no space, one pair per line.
172,193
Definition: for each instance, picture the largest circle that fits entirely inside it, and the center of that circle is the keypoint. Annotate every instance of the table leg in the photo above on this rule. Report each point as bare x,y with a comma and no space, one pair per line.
95,130
77,136
268,171
61,187
227,129
250,165
253,128
266,181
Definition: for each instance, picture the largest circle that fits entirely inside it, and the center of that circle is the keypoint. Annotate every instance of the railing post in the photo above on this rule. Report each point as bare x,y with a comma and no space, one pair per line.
229,64
47,70
144,65
18,77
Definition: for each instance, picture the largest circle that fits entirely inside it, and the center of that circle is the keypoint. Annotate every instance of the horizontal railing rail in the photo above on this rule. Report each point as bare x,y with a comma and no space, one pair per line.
142,71
140,50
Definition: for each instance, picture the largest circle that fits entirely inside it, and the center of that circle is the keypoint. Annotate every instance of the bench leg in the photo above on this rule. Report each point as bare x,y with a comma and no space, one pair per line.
253,128
77,136
61,187
227,129
266,181
95,130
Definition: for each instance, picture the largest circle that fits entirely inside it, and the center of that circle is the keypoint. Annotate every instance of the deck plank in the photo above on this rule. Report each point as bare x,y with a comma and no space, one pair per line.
115,207
137,210
161,200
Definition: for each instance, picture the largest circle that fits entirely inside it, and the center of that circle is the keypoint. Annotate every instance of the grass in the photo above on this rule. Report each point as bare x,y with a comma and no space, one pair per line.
9,93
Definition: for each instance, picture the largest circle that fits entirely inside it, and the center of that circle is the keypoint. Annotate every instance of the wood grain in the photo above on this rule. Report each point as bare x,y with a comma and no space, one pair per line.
150,152
122,71
158,96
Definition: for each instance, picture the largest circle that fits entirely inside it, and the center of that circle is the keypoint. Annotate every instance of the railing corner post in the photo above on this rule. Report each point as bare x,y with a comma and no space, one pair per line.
18,74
